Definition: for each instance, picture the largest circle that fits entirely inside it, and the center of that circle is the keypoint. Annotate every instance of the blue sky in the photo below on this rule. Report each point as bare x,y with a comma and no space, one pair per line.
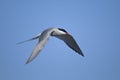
94,24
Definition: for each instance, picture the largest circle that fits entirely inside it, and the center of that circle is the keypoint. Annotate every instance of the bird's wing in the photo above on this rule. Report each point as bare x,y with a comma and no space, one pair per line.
70,41
43,38
37,49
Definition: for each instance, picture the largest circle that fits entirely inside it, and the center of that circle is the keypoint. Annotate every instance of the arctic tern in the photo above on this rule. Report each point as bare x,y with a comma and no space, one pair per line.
56,32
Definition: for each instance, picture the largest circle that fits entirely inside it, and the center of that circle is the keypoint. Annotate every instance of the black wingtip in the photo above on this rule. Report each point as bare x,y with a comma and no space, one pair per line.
81,54
27,62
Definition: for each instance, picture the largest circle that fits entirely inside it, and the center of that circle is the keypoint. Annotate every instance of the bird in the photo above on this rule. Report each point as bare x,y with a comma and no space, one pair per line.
59,33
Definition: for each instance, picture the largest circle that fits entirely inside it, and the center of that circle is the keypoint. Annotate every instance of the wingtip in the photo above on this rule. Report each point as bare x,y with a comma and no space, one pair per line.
27,62
81,54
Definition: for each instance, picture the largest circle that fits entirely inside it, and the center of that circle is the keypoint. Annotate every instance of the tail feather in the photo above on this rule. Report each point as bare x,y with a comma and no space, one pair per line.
28,40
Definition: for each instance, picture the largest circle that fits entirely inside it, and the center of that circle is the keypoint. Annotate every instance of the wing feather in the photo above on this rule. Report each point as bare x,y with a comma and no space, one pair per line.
70,41
37,49
43,38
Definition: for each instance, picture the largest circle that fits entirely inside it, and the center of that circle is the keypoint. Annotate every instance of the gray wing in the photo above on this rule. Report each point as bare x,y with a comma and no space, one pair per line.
37,49
43,38
70,41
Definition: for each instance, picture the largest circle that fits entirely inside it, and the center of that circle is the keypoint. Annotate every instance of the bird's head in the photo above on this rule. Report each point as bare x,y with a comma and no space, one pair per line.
59,32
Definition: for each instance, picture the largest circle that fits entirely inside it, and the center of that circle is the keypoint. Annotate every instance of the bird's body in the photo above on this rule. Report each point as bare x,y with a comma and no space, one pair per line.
56,32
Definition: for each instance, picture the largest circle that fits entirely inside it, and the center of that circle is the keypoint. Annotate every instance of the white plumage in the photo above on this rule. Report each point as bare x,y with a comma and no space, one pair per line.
56,32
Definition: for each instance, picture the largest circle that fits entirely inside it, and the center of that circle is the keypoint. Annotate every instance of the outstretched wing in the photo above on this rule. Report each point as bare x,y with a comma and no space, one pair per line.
70,41
43,38
37,49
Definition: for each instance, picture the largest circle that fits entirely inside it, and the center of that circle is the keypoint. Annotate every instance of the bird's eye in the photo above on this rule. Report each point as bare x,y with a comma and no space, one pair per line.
62,30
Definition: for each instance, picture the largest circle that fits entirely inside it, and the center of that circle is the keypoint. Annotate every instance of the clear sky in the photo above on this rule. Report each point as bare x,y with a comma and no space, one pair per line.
95,25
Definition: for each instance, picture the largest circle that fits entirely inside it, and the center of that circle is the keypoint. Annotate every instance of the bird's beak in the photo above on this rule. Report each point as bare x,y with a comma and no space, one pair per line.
68,34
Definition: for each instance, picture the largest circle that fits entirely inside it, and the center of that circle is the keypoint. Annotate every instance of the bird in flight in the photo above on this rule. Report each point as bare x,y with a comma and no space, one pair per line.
59,33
